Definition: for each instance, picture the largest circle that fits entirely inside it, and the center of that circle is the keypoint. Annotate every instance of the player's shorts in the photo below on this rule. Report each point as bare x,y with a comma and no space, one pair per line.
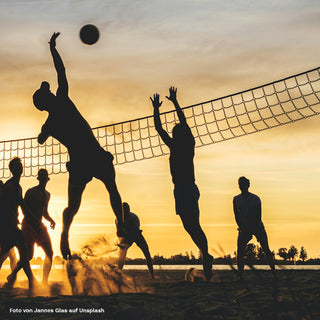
10,237
129,238
187,197
97,164
133,235
245,236
40,237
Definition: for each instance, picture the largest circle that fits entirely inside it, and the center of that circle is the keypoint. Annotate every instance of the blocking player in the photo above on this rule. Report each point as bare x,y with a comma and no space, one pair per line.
186,192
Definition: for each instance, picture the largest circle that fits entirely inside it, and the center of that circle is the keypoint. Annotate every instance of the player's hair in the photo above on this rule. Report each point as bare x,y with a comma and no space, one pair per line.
43,171
39,99
243,180
13,163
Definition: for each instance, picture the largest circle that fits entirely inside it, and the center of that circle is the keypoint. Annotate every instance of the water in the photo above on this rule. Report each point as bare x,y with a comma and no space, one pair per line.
186,267
221,267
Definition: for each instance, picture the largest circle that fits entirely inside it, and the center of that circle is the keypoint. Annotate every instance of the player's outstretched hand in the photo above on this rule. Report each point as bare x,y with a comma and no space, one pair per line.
172,94
53,38
156,101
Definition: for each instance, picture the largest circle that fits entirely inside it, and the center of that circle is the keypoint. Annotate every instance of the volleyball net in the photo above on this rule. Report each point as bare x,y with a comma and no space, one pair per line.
274,104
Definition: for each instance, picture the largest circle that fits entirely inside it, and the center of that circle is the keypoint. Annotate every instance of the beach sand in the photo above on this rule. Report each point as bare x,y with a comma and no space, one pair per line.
295,295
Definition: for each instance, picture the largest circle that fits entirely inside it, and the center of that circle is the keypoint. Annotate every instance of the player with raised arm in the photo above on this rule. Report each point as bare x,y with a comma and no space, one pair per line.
186,192
87,158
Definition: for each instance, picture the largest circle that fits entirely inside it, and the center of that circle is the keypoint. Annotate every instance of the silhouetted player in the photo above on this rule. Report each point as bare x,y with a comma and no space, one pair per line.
133,235
11,254
247,211
34,231
186,192
10,234
87,158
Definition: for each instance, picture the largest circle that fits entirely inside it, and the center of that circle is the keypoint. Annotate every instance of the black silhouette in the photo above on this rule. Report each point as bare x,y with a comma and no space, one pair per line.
186,192
87,158
34,231
133,235
10,234
11,254
247,211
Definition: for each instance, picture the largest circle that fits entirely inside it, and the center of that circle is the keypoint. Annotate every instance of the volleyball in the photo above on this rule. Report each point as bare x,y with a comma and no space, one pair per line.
89,34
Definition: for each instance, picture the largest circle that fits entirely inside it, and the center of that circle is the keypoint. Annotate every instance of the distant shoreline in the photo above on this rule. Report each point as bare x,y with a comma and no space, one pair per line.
188,266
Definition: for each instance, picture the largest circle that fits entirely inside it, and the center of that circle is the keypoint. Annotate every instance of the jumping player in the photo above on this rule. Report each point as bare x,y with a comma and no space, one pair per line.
186,192
247,212
87,158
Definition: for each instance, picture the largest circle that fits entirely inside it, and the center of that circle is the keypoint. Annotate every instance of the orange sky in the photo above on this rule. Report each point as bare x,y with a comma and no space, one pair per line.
205,48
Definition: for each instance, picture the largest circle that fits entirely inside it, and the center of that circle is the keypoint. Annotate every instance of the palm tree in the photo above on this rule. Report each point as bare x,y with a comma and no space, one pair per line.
303,254
292,252
283,253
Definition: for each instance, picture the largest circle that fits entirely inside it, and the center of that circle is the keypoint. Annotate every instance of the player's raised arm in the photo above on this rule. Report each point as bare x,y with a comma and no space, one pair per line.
58,64
173,98
157,121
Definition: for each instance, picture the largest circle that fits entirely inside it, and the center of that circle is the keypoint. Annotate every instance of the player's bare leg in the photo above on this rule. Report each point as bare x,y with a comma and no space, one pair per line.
47,264
12,258
142,244
74,201
192,226
3,257
269,256
22,263
122,254
242,241
116,203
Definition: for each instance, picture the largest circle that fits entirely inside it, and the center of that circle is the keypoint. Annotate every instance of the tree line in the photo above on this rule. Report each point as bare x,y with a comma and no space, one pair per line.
253,255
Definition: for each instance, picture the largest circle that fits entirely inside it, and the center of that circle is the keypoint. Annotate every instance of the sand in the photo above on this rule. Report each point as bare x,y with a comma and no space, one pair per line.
295,295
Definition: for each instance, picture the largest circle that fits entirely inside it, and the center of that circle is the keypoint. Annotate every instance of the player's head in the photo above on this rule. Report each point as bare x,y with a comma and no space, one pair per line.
43,97
15,166
43,176
178,132
244,183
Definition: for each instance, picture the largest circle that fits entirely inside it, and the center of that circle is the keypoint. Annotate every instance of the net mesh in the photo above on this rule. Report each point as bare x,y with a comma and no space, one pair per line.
260,108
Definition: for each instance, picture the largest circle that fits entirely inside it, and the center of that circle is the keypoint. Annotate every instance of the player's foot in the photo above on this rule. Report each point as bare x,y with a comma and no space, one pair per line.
64,246
207,266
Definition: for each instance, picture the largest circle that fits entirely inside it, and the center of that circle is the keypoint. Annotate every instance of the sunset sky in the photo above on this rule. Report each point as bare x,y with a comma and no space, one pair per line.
206,49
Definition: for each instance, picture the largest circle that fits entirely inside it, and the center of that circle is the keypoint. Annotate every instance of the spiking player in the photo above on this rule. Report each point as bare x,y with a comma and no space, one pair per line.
87,158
